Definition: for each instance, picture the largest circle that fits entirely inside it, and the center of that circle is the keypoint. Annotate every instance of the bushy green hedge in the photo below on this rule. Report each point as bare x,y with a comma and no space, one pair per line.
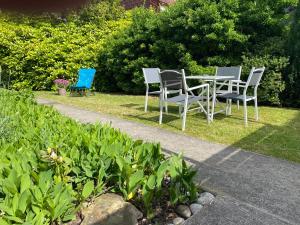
293,80
39,50
199,35
51,164
196,35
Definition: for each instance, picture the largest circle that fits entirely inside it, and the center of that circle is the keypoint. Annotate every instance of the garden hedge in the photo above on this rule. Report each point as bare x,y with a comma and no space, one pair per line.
196,35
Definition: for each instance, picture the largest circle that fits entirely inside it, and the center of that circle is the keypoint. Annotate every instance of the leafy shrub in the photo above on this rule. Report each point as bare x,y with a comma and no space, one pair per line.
293,80
39,50
51,164
196,35
272,83
199,35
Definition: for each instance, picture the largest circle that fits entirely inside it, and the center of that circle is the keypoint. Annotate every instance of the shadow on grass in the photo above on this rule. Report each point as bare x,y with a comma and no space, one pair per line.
167,118
131,105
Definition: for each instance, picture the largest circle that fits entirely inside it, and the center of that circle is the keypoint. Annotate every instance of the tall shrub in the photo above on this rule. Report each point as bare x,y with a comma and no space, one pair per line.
293,95
198,35
40,49
191,34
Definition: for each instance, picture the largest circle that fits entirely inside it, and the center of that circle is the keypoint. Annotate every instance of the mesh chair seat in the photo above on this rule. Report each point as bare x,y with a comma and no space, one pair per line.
179,99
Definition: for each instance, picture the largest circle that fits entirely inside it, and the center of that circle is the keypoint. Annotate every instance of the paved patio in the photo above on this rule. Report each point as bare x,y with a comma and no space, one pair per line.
251,189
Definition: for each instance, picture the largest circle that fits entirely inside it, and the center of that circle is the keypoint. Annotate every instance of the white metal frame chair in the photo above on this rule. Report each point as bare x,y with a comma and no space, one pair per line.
228,71
253,81
185,99
151,76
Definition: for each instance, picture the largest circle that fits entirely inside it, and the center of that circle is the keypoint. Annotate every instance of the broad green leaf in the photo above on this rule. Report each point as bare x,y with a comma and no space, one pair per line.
151,182
15,203
23,200
134,179
14,218
25,182
88,189
3,222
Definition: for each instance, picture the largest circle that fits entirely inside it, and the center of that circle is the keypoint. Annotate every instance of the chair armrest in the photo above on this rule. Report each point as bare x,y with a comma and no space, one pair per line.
238,81
198,87
239,85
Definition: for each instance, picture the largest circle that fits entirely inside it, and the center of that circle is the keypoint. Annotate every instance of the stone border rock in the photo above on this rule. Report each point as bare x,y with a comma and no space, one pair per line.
186,212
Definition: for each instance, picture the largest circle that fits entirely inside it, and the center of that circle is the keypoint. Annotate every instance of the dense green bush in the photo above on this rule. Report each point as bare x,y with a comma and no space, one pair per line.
293,80
272,84
198,35
40,49
51,164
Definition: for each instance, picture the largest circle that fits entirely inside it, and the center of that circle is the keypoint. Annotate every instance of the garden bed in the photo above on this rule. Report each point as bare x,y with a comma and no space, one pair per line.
51,165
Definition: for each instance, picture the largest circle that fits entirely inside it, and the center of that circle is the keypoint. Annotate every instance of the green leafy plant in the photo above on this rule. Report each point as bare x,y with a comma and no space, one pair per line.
51,165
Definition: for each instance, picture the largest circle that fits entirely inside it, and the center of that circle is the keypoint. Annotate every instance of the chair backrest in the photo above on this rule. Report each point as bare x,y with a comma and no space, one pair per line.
86,78
151,75
255,77
230,71
171,79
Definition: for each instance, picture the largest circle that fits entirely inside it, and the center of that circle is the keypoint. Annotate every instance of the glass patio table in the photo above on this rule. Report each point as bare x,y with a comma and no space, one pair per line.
213,81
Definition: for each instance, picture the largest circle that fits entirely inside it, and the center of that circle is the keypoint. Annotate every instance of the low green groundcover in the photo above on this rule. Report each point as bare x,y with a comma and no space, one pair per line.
50,164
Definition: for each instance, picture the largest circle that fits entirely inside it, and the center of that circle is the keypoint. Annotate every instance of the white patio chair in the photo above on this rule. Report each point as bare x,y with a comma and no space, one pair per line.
224,87
151,76
253,81
169,78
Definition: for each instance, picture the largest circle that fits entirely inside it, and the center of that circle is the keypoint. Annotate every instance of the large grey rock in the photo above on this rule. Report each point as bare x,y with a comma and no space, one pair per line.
184,211
195,207
205,198
178,221
110,209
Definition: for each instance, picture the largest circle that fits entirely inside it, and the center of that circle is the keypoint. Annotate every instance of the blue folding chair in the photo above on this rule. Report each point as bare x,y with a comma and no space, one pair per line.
84,82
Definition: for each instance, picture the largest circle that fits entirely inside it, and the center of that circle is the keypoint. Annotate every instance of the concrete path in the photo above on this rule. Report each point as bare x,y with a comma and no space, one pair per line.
251,189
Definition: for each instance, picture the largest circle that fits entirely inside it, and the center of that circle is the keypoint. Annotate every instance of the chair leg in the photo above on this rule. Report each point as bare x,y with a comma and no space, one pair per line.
230,105
180,111
146,100
256,109
166,104
208,106
226,109
184,114
160,109
245,113
238,91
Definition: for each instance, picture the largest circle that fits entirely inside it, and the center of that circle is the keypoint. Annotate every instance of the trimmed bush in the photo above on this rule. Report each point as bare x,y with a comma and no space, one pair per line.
39,50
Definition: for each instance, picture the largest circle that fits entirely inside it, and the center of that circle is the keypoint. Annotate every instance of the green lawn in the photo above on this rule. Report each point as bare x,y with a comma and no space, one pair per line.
276,134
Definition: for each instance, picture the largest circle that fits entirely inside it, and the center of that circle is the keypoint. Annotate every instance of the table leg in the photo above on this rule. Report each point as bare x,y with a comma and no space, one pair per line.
230,101
213,101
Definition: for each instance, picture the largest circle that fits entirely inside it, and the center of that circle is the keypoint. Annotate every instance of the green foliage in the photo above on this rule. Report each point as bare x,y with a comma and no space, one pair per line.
272,84
198,35
51,164
39,50
293,79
